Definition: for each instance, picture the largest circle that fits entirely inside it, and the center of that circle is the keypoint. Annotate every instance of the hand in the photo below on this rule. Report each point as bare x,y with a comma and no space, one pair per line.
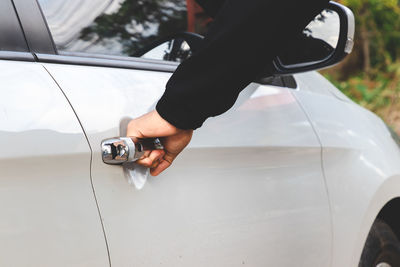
174,140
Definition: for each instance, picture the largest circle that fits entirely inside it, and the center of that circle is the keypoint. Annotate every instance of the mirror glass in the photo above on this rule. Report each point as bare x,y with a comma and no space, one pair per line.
317,42
176,50
160,51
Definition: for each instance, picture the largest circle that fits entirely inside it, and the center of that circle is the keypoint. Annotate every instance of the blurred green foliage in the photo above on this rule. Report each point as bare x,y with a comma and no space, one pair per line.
378,31
373,93
371,74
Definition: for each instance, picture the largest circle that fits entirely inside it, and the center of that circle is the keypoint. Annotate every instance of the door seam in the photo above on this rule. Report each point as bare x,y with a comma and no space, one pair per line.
90,165
322,170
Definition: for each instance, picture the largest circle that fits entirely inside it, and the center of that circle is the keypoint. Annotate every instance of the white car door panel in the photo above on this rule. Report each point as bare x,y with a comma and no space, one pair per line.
360,157
248,190
48,211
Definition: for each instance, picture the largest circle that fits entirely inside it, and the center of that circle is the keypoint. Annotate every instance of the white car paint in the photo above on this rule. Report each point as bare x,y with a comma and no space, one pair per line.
288,177
361,165
48,210
248,190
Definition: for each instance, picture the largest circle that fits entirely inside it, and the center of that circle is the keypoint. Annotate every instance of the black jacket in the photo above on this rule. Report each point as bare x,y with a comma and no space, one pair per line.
244,38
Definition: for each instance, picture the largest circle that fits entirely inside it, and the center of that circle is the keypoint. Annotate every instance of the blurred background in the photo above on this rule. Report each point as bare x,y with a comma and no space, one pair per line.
371,74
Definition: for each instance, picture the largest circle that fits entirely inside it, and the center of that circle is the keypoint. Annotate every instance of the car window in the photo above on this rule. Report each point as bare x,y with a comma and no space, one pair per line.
11,36
113,27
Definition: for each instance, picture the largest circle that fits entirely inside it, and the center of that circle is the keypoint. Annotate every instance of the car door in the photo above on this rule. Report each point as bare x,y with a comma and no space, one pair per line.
248,190
48,210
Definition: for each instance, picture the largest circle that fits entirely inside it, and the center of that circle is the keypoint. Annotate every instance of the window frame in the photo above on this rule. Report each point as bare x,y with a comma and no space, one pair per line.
42,45
14,41
34,26
43,49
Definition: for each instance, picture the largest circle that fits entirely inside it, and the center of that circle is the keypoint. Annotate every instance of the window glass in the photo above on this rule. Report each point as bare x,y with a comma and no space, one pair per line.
114,27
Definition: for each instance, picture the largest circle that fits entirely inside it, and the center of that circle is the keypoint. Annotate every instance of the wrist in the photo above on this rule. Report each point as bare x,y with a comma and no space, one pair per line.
151,125
162,124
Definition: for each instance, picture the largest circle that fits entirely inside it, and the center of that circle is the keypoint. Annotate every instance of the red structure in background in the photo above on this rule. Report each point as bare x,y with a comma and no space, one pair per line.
197,19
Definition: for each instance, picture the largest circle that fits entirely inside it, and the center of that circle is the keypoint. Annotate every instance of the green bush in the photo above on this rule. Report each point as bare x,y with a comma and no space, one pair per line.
371,74
379,93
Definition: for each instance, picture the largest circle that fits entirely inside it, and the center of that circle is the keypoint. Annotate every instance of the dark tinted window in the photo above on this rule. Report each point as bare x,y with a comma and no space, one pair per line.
11,36
113,27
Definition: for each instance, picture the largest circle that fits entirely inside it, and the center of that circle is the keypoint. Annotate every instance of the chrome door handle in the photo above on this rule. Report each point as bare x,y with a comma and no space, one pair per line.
119,150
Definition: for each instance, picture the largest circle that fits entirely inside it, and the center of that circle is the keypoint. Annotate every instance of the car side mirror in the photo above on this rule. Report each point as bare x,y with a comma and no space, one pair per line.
323,43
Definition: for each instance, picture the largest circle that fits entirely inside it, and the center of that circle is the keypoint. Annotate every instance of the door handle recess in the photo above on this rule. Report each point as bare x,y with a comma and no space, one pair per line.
119,150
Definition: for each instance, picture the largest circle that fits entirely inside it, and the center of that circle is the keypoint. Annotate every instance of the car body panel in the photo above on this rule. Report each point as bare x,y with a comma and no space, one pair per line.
248,190
48,210
361,166
253,188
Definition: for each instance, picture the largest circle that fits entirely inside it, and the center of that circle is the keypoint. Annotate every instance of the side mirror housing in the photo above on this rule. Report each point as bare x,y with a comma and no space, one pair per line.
326,41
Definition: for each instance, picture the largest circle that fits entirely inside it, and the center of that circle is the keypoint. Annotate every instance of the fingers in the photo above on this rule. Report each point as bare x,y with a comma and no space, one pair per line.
151,159
157,161
163,164
173,139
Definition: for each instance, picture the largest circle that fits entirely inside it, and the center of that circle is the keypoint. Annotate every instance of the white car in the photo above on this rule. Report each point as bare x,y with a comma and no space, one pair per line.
295,174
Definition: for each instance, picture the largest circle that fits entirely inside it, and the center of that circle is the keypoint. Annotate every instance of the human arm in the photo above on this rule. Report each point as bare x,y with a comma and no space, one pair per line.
244,38
211,7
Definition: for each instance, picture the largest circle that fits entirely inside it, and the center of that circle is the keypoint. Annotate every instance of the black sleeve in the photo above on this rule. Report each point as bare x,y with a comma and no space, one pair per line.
244,38
211,7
